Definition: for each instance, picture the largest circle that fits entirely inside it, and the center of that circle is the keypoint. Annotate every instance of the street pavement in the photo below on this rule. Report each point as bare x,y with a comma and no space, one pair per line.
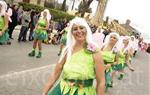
23,75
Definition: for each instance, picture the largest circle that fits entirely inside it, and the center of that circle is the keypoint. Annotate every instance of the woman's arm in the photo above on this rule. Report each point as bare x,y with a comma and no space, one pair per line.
54,76
116,58
127,61
99,69
130,52
5,23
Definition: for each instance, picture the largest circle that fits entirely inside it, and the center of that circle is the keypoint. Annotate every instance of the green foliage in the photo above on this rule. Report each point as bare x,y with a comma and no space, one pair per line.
56,14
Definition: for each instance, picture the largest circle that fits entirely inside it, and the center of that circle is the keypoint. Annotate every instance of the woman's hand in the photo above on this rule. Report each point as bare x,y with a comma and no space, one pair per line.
108,66
131,68
1,33
43,94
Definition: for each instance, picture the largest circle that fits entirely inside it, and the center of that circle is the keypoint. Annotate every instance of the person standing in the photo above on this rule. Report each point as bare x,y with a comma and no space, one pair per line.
63,39
110,57
25,24
32,24
9,12
20,15
98,37
80,63
40,33
4,37
14,21
125,53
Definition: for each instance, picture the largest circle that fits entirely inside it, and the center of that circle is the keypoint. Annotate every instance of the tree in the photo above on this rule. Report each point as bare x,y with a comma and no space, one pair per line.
39,1
64,5
84,7
73,4
98,18
50,4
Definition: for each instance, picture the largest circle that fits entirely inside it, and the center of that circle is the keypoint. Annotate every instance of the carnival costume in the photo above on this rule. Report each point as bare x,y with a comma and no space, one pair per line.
5,36
40,34
78,76
109,58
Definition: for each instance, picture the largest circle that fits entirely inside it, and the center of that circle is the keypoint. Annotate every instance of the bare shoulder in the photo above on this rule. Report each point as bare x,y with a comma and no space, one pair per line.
97,56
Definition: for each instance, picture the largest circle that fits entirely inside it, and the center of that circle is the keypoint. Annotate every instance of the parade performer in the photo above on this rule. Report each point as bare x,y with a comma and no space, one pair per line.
125,53
40,32
4,36
98,37
110,56
80,62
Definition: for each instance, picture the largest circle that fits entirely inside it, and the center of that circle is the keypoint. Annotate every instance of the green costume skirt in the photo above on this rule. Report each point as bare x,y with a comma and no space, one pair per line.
40,35
57,91
5,37
119,67
63,88
108,79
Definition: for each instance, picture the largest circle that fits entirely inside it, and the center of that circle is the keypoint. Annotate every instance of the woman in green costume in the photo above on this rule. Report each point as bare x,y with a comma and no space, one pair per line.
125,53
110,56
40,32
4,36
80,63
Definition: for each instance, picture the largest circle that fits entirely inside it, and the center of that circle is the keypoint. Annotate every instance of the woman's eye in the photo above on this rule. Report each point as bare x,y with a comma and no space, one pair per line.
75,29
113,37
81,27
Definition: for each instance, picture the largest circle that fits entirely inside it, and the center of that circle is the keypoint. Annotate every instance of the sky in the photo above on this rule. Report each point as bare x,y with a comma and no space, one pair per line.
135,10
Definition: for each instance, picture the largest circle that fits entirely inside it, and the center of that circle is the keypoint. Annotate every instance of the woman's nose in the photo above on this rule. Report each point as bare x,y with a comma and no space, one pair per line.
79,29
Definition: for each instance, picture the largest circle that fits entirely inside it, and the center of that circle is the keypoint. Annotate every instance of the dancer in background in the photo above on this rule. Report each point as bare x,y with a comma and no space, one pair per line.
63,39
40,33
110,56
98,37
4,37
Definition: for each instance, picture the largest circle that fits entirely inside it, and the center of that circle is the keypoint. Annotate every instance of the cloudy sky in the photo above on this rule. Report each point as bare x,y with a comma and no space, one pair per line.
135,10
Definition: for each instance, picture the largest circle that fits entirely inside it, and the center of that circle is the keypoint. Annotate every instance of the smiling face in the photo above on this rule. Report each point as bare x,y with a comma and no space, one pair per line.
113,39
79,33
44,14
125,41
